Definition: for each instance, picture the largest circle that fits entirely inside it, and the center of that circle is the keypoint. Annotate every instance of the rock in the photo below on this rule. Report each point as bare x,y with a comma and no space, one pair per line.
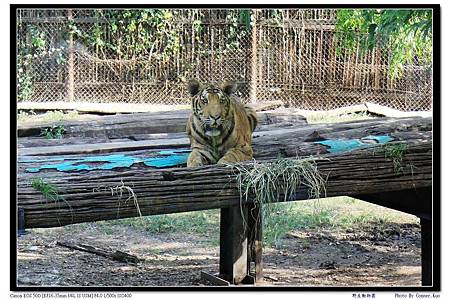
328,265
25,280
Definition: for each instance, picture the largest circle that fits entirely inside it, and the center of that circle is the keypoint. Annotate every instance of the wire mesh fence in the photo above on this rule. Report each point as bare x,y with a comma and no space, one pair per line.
94,55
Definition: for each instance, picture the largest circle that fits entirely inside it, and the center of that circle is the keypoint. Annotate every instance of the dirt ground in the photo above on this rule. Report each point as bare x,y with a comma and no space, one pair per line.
364,256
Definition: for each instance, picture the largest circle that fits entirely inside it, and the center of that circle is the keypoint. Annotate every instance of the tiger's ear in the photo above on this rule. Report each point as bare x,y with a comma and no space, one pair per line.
193,87
229,87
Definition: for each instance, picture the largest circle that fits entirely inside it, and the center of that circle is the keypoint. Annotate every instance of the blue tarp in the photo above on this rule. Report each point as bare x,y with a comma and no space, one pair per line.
172,158
338,146
165,158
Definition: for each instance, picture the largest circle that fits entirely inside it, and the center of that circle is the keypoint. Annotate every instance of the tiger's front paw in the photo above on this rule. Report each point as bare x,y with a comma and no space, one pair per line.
195,159
237,154
194,163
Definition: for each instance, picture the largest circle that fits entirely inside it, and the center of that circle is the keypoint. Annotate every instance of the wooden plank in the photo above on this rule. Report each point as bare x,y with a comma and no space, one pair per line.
214,279
365,107
90,196
416,201
390,112
20,221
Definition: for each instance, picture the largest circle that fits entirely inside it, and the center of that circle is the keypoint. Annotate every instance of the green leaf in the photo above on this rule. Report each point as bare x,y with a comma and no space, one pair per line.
406,33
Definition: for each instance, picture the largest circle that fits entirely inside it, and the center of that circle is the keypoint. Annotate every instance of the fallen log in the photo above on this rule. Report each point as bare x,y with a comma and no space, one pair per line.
122,126
116,255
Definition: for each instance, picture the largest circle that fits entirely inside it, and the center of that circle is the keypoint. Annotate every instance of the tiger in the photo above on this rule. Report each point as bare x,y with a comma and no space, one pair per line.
219,127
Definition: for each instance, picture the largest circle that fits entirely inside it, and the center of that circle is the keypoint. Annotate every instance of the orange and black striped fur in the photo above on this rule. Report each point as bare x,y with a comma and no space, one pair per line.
220,127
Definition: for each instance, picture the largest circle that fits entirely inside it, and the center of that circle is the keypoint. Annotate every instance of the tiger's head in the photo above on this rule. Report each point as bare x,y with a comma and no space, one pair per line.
211,105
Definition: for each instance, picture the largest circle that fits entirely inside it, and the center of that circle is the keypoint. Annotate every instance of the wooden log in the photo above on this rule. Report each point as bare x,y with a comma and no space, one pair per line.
116,255
286,143
105,192
103,195
105,147
122,126
268,138
116,126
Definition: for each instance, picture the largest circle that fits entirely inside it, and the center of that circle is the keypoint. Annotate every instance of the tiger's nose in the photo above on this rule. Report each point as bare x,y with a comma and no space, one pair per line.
215,120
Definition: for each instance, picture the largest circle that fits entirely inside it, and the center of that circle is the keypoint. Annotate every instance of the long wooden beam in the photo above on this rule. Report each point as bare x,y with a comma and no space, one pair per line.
270,138
100,195
122,126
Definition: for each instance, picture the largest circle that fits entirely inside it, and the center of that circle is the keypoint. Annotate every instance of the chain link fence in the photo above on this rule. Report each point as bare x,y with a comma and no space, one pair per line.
288,55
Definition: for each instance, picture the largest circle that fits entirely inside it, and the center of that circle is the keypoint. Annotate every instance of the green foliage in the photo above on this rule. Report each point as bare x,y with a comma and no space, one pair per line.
267,182
396,152
134,33
241,22
59,115
48,190
54,132
284,217
24,82
26,49
37,39
200,222
32,46
338,213
406,33
126,35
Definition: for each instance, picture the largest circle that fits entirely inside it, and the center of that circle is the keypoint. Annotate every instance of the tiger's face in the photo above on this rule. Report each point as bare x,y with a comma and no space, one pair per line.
211,105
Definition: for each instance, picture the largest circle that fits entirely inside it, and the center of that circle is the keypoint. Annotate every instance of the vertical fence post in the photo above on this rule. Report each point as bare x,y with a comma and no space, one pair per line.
20,221
233,244
254,60
255,240
426,238
70,85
